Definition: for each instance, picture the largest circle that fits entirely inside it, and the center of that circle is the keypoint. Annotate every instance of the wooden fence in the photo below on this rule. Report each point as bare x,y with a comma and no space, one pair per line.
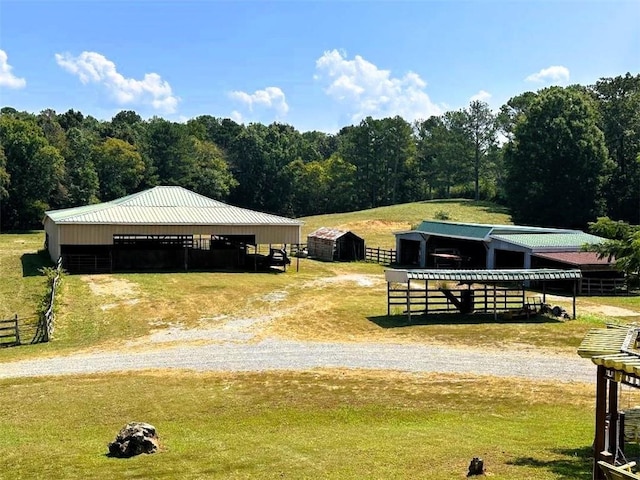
380,255
47,320
603,286
9,332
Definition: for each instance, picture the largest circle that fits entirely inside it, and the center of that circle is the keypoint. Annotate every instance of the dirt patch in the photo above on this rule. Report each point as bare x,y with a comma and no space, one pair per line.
610,311
105,285
360,280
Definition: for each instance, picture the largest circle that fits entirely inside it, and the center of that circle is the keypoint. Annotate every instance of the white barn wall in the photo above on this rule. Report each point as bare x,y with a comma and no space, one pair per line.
103,234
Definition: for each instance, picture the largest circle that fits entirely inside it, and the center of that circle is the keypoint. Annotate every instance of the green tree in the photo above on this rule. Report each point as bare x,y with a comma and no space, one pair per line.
556,161
209,174
35,170
81,179
119,166
623,245
618,101
382,150
4,175
481,126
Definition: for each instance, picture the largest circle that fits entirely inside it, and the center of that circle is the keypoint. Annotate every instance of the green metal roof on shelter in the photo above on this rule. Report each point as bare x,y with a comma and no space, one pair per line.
479,231
165,205
549,240
482,276
615,347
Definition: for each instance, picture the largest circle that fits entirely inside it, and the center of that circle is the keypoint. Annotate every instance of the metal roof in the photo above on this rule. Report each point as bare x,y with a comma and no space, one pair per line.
162,205
479,231
329,233
482,276
615,347
549,240
576,258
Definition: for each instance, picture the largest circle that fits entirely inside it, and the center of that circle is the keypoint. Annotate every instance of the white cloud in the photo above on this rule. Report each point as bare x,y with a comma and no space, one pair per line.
554,74
367,90
92,67
8,79
270,98
236,116
482,96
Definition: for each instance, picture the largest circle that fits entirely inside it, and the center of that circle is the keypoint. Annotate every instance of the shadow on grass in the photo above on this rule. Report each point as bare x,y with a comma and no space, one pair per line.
33,262
397,321
576,464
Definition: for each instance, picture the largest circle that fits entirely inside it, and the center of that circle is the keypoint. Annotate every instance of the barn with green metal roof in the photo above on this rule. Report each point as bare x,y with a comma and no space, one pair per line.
165,227
442,244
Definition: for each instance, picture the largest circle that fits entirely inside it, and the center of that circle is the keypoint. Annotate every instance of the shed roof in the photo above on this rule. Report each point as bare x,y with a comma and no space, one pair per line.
327,233
482,276
615,347
575,239
576,258
165,205
483,232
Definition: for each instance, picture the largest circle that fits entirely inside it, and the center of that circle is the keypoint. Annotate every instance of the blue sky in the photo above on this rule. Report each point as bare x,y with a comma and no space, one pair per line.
313,64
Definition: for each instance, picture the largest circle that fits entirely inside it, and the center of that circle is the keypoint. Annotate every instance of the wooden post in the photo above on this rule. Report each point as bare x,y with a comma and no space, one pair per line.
612,434
574,299
388,299
15,322
409,299
426,297
600,420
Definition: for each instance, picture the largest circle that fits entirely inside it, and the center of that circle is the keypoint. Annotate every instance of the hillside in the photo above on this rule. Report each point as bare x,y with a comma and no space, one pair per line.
376,225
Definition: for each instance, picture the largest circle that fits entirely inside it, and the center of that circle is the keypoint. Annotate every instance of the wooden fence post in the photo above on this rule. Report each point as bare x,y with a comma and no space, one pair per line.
15,319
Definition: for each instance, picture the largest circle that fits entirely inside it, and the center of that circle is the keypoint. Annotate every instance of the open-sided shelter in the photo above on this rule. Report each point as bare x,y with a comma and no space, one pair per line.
332,244
440,244
616,352
165,227
420,292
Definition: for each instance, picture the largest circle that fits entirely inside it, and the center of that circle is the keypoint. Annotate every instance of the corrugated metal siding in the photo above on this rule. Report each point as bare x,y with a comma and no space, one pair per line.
52,230
327,233
549,240
103,234
459,230
487,275
168,206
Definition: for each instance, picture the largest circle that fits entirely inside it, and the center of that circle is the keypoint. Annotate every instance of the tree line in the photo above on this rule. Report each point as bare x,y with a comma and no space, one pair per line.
555,157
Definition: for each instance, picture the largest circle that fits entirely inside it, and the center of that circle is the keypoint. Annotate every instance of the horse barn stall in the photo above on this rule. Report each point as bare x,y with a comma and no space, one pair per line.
422,292
470,246
331,244
166,228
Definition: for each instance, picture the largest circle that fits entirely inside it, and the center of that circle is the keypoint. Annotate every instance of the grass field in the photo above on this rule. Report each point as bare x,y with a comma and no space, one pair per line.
377,224
338,424
334,425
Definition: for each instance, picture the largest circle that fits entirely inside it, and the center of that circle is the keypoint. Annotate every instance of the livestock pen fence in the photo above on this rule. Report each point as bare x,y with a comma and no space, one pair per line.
21,330
378,255
480,299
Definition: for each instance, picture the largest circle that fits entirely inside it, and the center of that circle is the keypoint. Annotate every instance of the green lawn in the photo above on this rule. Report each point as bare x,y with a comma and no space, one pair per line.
340,425
377,225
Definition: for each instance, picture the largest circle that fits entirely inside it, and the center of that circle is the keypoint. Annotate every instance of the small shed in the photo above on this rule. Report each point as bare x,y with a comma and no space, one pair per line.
331,244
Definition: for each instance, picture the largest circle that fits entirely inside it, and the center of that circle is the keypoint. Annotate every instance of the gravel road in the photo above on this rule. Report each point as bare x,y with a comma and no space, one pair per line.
274,354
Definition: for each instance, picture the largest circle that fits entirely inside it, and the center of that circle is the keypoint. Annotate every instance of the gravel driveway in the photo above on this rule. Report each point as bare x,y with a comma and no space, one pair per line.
274,354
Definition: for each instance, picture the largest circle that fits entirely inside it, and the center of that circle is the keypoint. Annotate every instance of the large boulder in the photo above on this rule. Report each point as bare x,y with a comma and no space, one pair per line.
134,438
